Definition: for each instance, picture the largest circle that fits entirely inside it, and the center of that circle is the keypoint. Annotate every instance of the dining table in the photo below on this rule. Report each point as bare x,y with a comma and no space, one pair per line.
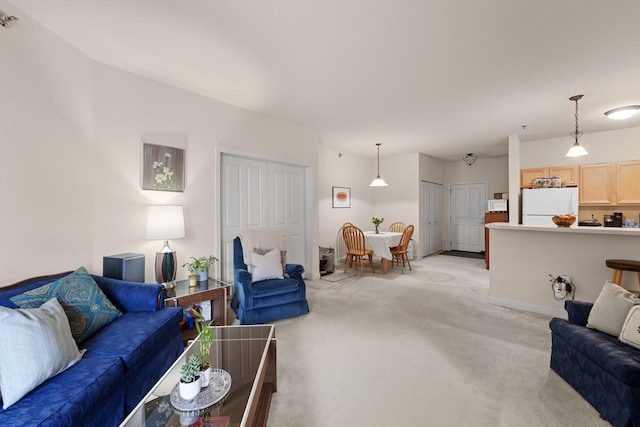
381,244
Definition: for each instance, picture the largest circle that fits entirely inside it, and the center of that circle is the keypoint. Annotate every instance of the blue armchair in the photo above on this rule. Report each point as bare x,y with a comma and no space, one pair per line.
266,300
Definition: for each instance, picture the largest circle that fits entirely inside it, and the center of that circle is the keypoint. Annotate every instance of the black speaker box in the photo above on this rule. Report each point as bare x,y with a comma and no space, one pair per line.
129,267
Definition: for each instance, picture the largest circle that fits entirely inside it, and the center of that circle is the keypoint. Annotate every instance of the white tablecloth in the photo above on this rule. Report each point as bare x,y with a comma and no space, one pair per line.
380,243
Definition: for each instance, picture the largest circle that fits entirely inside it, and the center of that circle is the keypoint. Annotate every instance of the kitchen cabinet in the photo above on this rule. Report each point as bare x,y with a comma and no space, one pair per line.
568,175
488,218
597,185
627,176
527,176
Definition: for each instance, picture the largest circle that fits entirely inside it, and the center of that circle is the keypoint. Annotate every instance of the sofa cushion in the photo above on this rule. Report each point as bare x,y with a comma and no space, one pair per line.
86,306
72,398
267,266
630,333
611,308
620,360
36,345
134,336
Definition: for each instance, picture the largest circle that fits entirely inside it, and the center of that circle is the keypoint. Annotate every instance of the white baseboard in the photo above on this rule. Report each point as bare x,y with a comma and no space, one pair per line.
548,311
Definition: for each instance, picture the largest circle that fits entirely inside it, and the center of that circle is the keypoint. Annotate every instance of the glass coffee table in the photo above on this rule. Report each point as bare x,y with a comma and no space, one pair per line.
248,354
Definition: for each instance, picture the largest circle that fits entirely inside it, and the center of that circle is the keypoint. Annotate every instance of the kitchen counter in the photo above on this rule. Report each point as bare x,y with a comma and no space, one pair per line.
622,231
523,257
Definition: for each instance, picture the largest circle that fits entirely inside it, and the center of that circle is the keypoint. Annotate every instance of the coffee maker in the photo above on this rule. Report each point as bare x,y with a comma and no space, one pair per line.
614,220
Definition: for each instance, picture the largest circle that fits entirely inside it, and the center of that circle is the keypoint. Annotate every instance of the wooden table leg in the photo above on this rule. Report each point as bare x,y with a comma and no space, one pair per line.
384,265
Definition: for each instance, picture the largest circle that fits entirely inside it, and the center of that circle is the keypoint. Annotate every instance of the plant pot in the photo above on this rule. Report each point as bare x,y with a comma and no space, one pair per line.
190,390
205,377
202,275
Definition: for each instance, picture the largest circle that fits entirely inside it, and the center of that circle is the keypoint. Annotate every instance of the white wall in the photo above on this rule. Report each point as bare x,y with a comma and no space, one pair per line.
72,145
610,146
349,170
45,167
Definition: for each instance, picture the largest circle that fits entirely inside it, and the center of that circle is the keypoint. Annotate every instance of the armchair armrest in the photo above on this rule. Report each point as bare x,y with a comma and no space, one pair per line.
294,270
242,287
132,296
578,311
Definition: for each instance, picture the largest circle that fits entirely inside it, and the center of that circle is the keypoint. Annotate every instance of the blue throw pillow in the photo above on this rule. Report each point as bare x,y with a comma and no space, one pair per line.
84,303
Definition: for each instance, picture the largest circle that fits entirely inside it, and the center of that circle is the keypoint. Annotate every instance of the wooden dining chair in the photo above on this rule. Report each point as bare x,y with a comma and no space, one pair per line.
356,251
400,252
397,227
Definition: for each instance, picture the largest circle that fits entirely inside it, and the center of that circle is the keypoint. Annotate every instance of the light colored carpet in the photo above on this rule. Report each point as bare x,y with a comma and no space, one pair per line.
419,349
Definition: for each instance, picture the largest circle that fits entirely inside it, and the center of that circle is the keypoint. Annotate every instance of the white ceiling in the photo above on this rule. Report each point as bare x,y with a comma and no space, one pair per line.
441,77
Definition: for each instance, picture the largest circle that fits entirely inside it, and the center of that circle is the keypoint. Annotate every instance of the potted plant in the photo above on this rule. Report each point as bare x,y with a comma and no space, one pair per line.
190,378
377,221
200,266
205,336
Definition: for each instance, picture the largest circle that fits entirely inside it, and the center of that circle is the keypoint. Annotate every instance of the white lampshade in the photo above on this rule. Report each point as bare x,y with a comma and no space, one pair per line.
165,222
576,150
378,182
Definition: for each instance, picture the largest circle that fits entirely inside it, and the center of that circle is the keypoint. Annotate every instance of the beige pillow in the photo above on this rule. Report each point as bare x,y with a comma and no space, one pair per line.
631,329
611,308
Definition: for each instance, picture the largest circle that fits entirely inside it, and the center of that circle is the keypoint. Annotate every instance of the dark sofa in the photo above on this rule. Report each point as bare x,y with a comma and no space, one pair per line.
122,362
605,371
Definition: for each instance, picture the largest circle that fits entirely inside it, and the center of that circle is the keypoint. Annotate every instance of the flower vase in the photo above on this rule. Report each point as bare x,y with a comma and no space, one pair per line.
377,229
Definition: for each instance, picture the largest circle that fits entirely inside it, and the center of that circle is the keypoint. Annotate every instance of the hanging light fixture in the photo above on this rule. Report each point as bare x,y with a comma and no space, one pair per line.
378,182
576,149
622,112
470,158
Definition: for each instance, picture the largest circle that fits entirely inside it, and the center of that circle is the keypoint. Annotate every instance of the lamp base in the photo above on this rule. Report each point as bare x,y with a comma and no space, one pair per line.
166,268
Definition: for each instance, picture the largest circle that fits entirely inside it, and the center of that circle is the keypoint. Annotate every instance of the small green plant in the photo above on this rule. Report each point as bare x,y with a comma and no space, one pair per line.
200,264
206,340
190,371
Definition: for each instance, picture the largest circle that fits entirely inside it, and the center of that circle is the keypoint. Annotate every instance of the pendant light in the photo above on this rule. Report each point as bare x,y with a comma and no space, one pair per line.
576,149
378,182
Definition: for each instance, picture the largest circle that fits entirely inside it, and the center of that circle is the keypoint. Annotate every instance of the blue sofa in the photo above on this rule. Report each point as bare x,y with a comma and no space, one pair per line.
122,362
266,300
605,371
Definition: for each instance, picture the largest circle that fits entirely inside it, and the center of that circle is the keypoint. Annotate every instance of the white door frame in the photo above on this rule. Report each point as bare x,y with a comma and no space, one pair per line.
312,267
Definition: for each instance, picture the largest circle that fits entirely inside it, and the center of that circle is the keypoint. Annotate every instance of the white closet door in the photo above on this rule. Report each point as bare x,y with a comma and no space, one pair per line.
262,195
431,218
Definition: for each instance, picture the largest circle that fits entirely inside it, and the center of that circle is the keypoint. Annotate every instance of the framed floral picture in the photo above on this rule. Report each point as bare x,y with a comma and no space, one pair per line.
162,168
341,197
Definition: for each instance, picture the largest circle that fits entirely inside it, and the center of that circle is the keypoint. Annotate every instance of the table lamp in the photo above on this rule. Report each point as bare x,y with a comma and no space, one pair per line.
165,222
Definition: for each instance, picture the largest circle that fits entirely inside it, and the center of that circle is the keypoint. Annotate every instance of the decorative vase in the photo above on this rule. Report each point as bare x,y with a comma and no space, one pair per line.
205,377
202,275
190,390
377,229
193,280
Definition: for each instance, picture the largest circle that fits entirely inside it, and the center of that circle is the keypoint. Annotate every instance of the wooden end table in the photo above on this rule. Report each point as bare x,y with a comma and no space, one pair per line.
214,290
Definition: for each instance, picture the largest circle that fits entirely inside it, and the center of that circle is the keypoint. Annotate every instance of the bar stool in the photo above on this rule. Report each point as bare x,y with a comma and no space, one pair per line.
620,265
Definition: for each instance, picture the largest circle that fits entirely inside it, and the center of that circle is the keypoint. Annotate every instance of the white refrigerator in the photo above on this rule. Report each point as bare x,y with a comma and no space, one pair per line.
539,205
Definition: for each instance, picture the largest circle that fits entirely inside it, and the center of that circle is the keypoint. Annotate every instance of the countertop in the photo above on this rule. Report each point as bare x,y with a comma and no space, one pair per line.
619,231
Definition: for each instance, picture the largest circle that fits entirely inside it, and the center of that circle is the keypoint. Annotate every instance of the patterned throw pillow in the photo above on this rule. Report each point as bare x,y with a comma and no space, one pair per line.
630,333
84,303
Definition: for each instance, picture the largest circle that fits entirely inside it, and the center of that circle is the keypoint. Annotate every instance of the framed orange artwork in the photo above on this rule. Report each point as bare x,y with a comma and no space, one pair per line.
341,197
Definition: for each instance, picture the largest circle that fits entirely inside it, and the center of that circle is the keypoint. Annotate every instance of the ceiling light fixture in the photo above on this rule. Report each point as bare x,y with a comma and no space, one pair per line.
7,21
576,149
378,182
470,158
622,112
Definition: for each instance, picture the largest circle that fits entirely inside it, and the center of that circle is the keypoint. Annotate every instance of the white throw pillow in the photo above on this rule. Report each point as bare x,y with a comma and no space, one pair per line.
267,266
610,309
36,344
631,329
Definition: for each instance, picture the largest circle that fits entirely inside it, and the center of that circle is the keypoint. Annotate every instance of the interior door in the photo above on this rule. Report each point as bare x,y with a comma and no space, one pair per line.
262,195
466,216
431,218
